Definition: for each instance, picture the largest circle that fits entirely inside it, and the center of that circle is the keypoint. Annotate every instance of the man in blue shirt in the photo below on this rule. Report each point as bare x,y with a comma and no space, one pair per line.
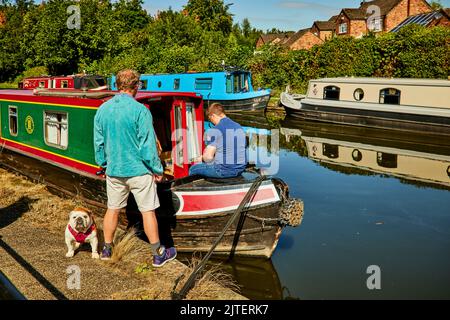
225,154
125,145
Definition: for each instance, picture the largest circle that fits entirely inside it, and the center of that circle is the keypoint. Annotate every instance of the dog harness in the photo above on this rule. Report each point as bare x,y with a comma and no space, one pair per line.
81,237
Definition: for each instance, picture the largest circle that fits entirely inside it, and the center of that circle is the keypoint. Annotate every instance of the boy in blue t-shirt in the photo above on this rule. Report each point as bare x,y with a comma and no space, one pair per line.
225,155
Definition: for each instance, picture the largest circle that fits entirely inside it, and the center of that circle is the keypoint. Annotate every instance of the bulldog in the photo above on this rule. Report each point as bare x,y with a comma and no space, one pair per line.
81,229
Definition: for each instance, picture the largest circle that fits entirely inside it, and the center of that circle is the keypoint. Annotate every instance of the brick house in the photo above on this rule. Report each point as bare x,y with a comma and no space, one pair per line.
377,16
2,18
324,29
303,39
274,38
429,19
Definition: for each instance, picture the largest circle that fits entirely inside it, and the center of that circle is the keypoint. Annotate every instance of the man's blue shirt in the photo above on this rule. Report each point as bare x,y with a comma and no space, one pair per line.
124,138
230,141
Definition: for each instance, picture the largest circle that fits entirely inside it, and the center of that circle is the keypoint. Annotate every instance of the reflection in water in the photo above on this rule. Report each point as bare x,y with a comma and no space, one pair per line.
358,214
413,158
256,278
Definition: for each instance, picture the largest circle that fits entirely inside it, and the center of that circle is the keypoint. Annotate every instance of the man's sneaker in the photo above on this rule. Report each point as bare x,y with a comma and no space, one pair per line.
168,255
106,253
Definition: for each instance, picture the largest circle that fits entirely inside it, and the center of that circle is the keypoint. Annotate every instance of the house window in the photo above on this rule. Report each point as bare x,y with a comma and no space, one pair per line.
343,28
331,93
56,129
376,25
13,123
192,143
358,94
178,137
390,96
64,83
203,84
176,84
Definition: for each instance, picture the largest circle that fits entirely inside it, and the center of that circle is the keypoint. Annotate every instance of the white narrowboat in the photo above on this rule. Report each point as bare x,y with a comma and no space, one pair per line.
406,104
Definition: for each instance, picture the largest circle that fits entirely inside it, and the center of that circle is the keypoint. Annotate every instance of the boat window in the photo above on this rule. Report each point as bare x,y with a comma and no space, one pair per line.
56,129
390,96
13,123
356,155
41,84
91,84
101,82
330,150
64,83
178,137
203,84
245,85
143,84
331,93
176,84
192,137
159,84
237,83
448,171
387,160
229,84
358,94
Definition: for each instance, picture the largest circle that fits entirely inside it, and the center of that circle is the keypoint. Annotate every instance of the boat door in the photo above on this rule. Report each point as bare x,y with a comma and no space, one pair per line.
187,135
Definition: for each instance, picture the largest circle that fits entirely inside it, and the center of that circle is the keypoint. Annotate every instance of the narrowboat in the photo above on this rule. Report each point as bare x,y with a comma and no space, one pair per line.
406,104
233,89
64,82
291,100
48,136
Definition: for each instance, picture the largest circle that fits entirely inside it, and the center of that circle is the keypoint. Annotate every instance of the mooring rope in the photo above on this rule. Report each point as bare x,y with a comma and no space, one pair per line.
190,282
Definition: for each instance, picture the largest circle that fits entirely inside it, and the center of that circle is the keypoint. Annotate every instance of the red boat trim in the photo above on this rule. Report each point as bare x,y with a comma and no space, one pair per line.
207,202
65,162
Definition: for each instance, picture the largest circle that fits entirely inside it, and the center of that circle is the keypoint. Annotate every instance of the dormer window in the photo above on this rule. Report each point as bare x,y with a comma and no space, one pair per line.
343,28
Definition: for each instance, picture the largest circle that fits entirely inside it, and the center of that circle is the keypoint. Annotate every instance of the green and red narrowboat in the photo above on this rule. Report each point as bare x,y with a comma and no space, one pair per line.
48,135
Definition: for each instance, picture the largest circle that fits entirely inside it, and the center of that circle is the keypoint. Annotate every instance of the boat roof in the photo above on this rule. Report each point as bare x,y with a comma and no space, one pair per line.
391,81
92,94
194,72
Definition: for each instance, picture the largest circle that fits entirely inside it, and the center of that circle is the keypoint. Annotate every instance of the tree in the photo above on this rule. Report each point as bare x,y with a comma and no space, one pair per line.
212,15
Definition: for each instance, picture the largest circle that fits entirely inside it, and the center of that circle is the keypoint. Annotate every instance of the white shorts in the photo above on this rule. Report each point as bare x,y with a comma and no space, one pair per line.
142,187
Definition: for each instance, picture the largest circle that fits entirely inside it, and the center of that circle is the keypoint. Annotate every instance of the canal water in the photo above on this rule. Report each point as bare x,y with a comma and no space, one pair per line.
377,214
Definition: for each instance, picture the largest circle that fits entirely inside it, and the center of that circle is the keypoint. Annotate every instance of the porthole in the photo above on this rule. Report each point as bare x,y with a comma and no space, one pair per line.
358,94
356,155
159,84
448,171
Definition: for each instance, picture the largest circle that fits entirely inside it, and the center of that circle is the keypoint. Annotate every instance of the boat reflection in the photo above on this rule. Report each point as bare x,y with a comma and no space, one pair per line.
420,159
257,278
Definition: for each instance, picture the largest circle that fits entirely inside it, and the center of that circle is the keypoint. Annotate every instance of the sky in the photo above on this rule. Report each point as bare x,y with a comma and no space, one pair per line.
291,15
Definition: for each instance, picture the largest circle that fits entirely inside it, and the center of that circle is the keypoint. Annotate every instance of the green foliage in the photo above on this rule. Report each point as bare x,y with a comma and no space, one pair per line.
413,52
120,34
212,15
32,72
